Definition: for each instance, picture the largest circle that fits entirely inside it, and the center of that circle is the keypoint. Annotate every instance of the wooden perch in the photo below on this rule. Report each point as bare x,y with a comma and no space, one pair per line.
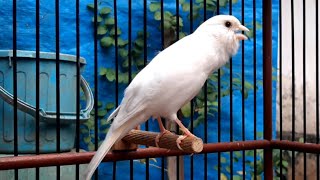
167,141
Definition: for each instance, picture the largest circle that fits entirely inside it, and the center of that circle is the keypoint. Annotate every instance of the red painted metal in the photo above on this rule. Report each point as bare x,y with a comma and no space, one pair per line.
296,146
43,160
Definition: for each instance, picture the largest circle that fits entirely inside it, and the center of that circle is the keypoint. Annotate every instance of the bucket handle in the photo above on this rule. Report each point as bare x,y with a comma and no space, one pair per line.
50,117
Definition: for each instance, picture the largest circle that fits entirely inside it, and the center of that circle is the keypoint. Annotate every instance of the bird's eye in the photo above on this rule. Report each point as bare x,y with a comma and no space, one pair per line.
228,24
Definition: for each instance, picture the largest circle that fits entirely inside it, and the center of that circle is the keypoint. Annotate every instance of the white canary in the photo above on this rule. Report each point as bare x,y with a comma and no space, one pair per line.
172,79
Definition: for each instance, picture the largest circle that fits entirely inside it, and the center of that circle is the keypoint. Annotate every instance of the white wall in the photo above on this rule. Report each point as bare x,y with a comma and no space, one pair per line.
310,59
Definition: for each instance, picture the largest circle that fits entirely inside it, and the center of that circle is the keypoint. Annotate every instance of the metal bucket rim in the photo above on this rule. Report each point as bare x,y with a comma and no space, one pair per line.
43,55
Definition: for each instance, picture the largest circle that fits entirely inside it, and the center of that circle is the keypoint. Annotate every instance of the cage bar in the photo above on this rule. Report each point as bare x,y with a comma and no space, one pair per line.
267,85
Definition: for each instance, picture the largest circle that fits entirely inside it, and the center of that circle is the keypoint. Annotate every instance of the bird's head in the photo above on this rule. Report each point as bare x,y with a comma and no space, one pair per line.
226,29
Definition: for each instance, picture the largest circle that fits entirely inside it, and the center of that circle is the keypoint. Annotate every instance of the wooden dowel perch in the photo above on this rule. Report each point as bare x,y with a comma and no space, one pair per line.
167,141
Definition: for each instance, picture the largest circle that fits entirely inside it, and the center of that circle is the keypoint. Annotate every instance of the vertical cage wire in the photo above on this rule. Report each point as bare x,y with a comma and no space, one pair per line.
78,83
231,105
162,47
116,69
205,87
267,85
304,86
57,18
96,80
145,56
37,83
280,82
293,92
15,93
254,89
243,98
317,88
130,62
219,107
192,101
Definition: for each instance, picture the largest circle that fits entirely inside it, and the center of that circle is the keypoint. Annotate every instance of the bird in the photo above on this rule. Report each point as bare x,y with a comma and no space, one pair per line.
172,79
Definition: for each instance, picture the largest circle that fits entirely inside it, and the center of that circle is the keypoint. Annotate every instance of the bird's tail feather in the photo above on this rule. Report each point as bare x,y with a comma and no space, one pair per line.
104,148
113,114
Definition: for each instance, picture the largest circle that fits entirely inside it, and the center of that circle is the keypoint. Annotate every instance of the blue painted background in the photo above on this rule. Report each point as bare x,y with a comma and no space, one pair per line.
26,30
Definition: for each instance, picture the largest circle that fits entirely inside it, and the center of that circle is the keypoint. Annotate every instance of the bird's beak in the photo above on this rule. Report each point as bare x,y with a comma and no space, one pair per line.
242,36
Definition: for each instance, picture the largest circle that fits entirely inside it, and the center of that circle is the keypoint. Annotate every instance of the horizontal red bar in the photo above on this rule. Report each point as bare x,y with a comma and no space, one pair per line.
296,146
43,160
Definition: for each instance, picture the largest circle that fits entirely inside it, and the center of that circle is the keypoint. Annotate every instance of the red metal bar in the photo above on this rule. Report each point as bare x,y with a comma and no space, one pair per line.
30,161
296,146
267,84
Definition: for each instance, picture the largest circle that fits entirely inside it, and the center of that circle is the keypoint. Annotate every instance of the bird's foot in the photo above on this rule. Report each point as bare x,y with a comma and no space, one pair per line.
164,131
187,133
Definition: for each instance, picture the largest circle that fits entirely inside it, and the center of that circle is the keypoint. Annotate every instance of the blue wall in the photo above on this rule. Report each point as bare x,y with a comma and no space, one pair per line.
26,41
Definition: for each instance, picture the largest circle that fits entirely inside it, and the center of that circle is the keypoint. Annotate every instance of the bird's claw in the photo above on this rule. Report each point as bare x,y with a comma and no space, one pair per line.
179,140
187,133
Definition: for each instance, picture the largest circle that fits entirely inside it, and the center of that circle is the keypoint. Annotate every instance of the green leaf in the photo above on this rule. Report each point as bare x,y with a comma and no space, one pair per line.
238,154
258,25
167,15
123,78
174,21
87,139
248,85
182,35
186,6
105,11
154,6
181,1
250,153
102,112
110,75
285,163
260,134
91,146
199,1
99,104
102,30
106,42
113,32
109,21
110,105
123,53
103,71
223,3
215,167
104,122
139,42
167,24
223,177
122,42
157,15
140,62
125,63
228,169
90,6
301,139
223,160
236,177
186,110
99,19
